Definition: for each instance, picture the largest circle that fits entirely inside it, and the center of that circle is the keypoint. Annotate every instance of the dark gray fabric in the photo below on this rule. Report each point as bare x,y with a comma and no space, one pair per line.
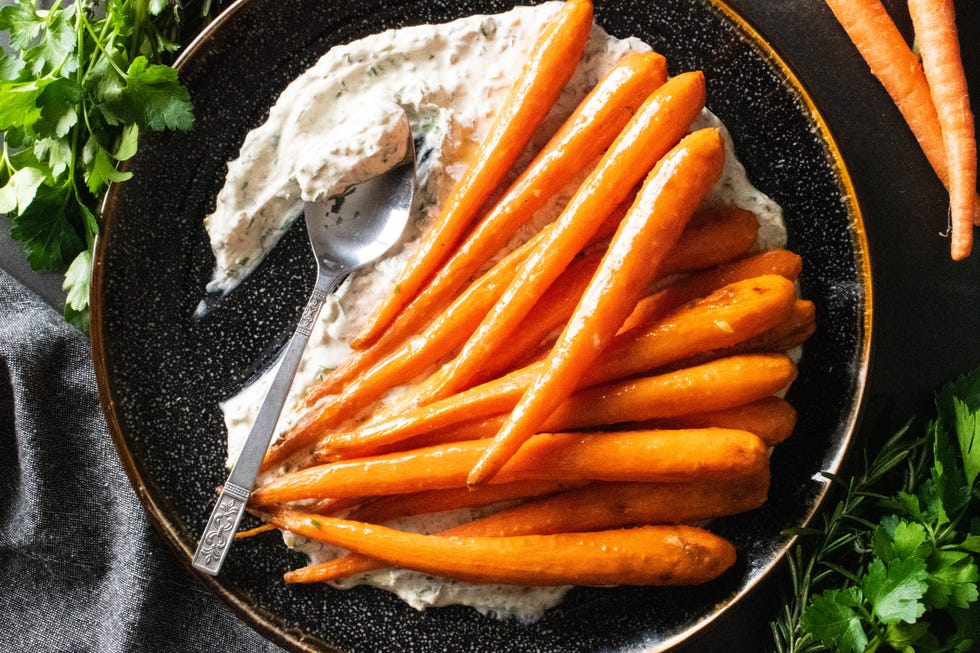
81,567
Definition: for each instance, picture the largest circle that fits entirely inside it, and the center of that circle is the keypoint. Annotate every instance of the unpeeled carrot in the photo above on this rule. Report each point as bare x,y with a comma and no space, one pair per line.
934,22
893,63
744,309
677,185
649,555
549,65
662,456
581,139
657,126
597,506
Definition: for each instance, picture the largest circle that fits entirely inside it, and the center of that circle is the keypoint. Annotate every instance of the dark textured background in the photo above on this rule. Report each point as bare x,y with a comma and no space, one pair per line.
926,321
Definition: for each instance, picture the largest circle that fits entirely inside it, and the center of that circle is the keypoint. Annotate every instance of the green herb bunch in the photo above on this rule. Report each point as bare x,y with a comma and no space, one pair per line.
894,565
78,82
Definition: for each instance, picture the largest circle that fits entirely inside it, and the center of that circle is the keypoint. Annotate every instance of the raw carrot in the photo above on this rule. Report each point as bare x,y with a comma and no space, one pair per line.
745,309
597,506
934,22
771,418
664,456
581,139
649,555
657,126
668,199
893,63
549,65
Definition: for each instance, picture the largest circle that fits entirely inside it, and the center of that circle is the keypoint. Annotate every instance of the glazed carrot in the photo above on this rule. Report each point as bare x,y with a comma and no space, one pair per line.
772,262
745,309
668,199
549,65
657,126
934,23
649,555
893,63
771,418
717,384
400,348
663,456
581,139
418,503
792,332
713,237
597,506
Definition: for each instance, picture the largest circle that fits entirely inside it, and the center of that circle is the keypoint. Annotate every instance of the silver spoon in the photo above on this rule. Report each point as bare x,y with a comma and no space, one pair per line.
346,233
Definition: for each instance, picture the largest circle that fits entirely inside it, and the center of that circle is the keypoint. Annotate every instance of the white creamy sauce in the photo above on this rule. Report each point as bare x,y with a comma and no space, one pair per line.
339,123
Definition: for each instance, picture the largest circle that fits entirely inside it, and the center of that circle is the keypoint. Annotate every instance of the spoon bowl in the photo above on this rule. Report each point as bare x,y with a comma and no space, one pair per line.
346,232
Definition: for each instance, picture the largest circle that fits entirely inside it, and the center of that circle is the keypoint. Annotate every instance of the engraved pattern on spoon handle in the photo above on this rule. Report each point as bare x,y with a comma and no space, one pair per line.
220,530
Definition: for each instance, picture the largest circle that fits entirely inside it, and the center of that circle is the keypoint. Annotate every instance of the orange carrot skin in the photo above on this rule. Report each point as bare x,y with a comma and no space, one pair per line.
771,418
597,506
662,456
550,64
657,126
746,308
579,141
936,35
649,555
668,199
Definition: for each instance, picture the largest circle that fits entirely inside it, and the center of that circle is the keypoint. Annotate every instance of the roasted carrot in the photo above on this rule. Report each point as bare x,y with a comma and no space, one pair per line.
649,555
597,506
657,126
779,262
934,22
385,509
581,139
791,332
715,385
665,456
668,199
771,418
714,237
893,63
744,309
549,65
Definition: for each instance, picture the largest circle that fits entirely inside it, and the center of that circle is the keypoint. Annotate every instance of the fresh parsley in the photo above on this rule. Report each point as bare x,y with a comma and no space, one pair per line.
893,566
78,82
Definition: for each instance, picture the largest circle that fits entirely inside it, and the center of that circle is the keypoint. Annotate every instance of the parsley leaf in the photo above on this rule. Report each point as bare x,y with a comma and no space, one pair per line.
77,83
832,617
895,590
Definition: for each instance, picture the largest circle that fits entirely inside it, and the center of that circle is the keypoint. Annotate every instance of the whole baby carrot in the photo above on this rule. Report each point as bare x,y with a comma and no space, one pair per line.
771,418
745,309
668,199
583,137
936,35
597,506
664,456
657,126
549,65
648,555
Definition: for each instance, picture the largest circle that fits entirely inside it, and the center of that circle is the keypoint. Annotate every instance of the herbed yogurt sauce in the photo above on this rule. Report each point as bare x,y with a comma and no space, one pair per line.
336,125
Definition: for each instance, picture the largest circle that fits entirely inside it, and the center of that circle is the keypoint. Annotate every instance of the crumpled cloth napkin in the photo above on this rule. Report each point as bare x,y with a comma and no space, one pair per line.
81,567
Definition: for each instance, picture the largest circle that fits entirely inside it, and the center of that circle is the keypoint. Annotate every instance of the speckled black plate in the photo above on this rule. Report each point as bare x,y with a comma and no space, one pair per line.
162,373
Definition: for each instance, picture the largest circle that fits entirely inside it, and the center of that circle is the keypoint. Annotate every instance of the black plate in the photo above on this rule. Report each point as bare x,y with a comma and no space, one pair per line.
162,373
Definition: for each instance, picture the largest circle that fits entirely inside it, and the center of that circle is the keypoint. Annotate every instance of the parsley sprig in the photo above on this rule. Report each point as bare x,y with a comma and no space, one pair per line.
78,83
896,569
